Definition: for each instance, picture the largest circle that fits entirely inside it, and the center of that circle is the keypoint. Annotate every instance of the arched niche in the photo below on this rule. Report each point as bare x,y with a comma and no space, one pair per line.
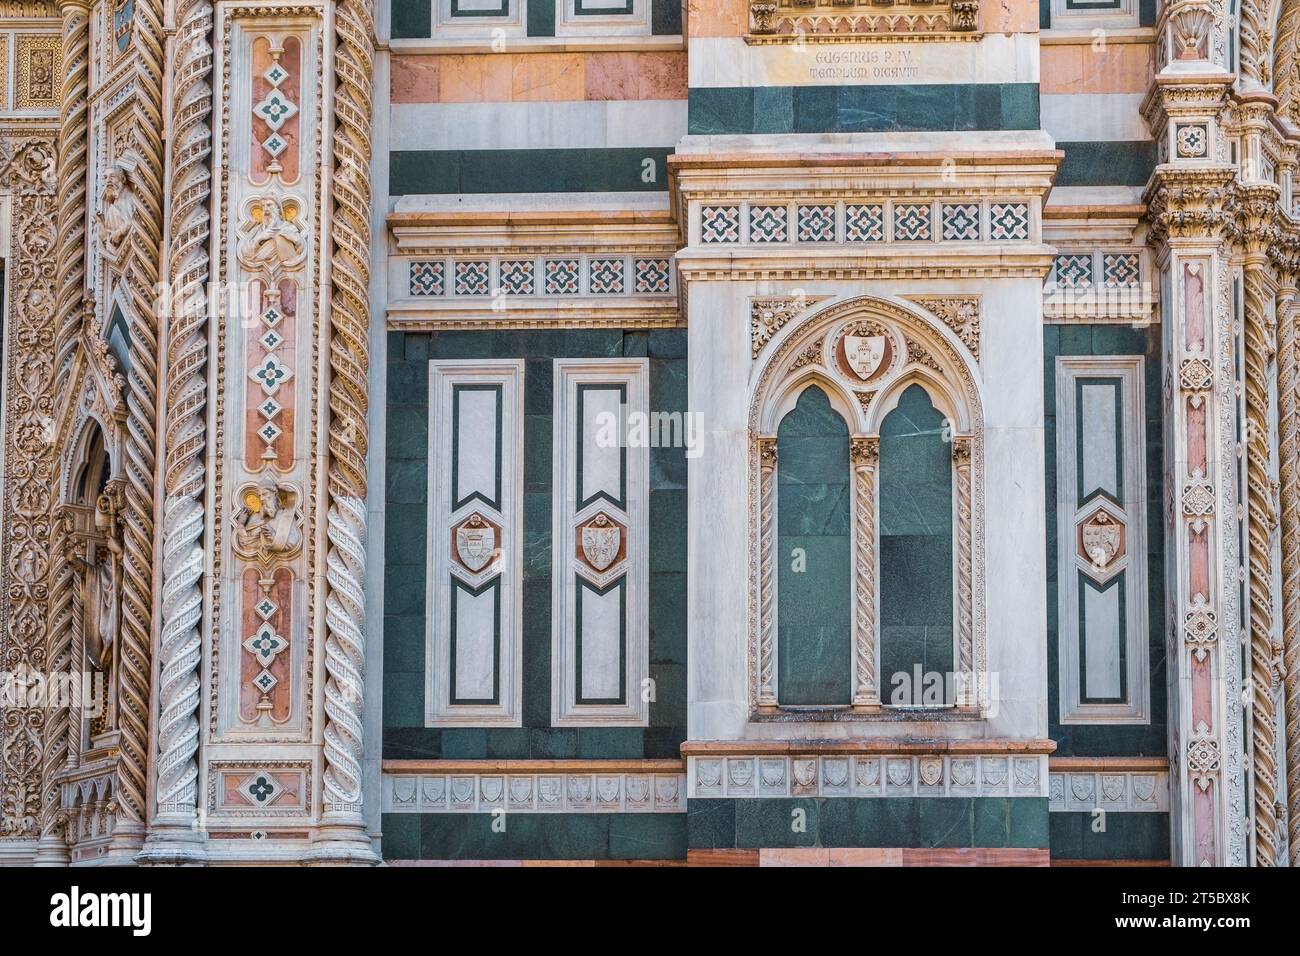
863,355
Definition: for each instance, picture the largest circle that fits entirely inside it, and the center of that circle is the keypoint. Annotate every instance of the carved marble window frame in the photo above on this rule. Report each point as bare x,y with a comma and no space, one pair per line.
934,358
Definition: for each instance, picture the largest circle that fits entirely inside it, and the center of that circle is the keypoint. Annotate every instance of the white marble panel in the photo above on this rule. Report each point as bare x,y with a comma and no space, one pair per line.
475,636
602,442
1093,117
602,640
538,125
476,426
1101,641
1098,419
994,58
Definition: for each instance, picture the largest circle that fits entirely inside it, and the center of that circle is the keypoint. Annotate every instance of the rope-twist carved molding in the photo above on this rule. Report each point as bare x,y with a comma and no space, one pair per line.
142,396
184,474
1259,503
349,367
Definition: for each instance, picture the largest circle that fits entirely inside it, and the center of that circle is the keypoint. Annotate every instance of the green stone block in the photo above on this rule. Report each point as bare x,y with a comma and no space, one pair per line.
404,643
711,824
508,743
773,109
407,432
991,822
401,836
406,481
667,618
408,383
898,821
610,743
668,343
571,836
552,743
404,590
403,698
412,743
667,542
668,709
945,822
1030,827
464,743
404,534
538,463
773,822
647,836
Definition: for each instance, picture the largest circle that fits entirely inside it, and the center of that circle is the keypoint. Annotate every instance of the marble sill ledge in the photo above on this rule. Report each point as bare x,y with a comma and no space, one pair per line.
892,746
523,44
539,312
1064,37
1109,764
811,150
869,713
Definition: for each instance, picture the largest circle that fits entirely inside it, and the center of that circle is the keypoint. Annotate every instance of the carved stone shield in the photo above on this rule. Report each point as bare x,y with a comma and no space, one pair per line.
1101,539
600,542
864,354
476,543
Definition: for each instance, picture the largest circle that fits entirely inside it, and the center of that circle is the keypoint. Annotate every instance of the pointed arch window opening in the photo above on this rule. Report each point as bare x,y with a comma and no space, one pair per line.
863,637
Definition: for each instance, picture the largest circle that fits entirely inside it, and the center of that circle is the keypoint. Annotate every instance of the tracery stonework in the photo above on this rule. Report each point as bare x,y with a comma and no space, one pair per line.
28,175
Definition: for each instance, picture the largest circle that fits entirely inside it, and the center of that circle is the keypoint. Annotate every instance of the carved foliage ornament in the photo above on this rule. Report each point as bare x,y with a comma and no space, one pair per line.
27,174
961,313
769,315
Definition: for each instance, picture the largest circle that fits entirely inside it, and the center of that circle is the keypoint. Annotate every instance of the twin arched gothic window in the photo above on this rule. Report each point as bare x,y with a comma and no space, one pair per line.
864,537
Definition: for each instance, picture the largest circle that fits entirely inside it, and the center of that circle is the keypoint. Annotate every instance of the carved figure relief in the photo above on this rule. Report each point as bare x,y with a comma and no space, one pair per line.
274,240
117,208
268,522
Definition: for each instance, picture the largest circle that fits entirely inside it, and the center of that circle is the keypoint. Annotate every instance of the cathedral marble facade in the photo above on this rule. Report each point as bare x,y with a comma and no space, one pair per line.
740,432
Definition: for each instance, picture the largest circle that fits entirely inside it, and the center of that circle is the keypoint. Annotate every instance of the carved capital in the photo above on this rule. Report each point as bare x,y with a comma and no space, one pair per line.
1191,202
865,452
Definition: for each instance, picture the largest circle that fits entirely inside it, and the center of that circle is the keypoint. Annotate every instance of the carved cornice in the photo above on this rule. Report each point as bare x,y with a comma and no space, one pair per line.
857,20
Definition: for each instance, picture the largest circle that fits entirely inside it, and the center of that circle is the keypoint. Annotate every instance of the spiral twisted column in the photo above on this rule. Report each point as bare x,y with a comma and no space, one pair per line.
767,572
69,299
348,434
1288,380
865,456
184,472
968,689
141,426
1259,349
